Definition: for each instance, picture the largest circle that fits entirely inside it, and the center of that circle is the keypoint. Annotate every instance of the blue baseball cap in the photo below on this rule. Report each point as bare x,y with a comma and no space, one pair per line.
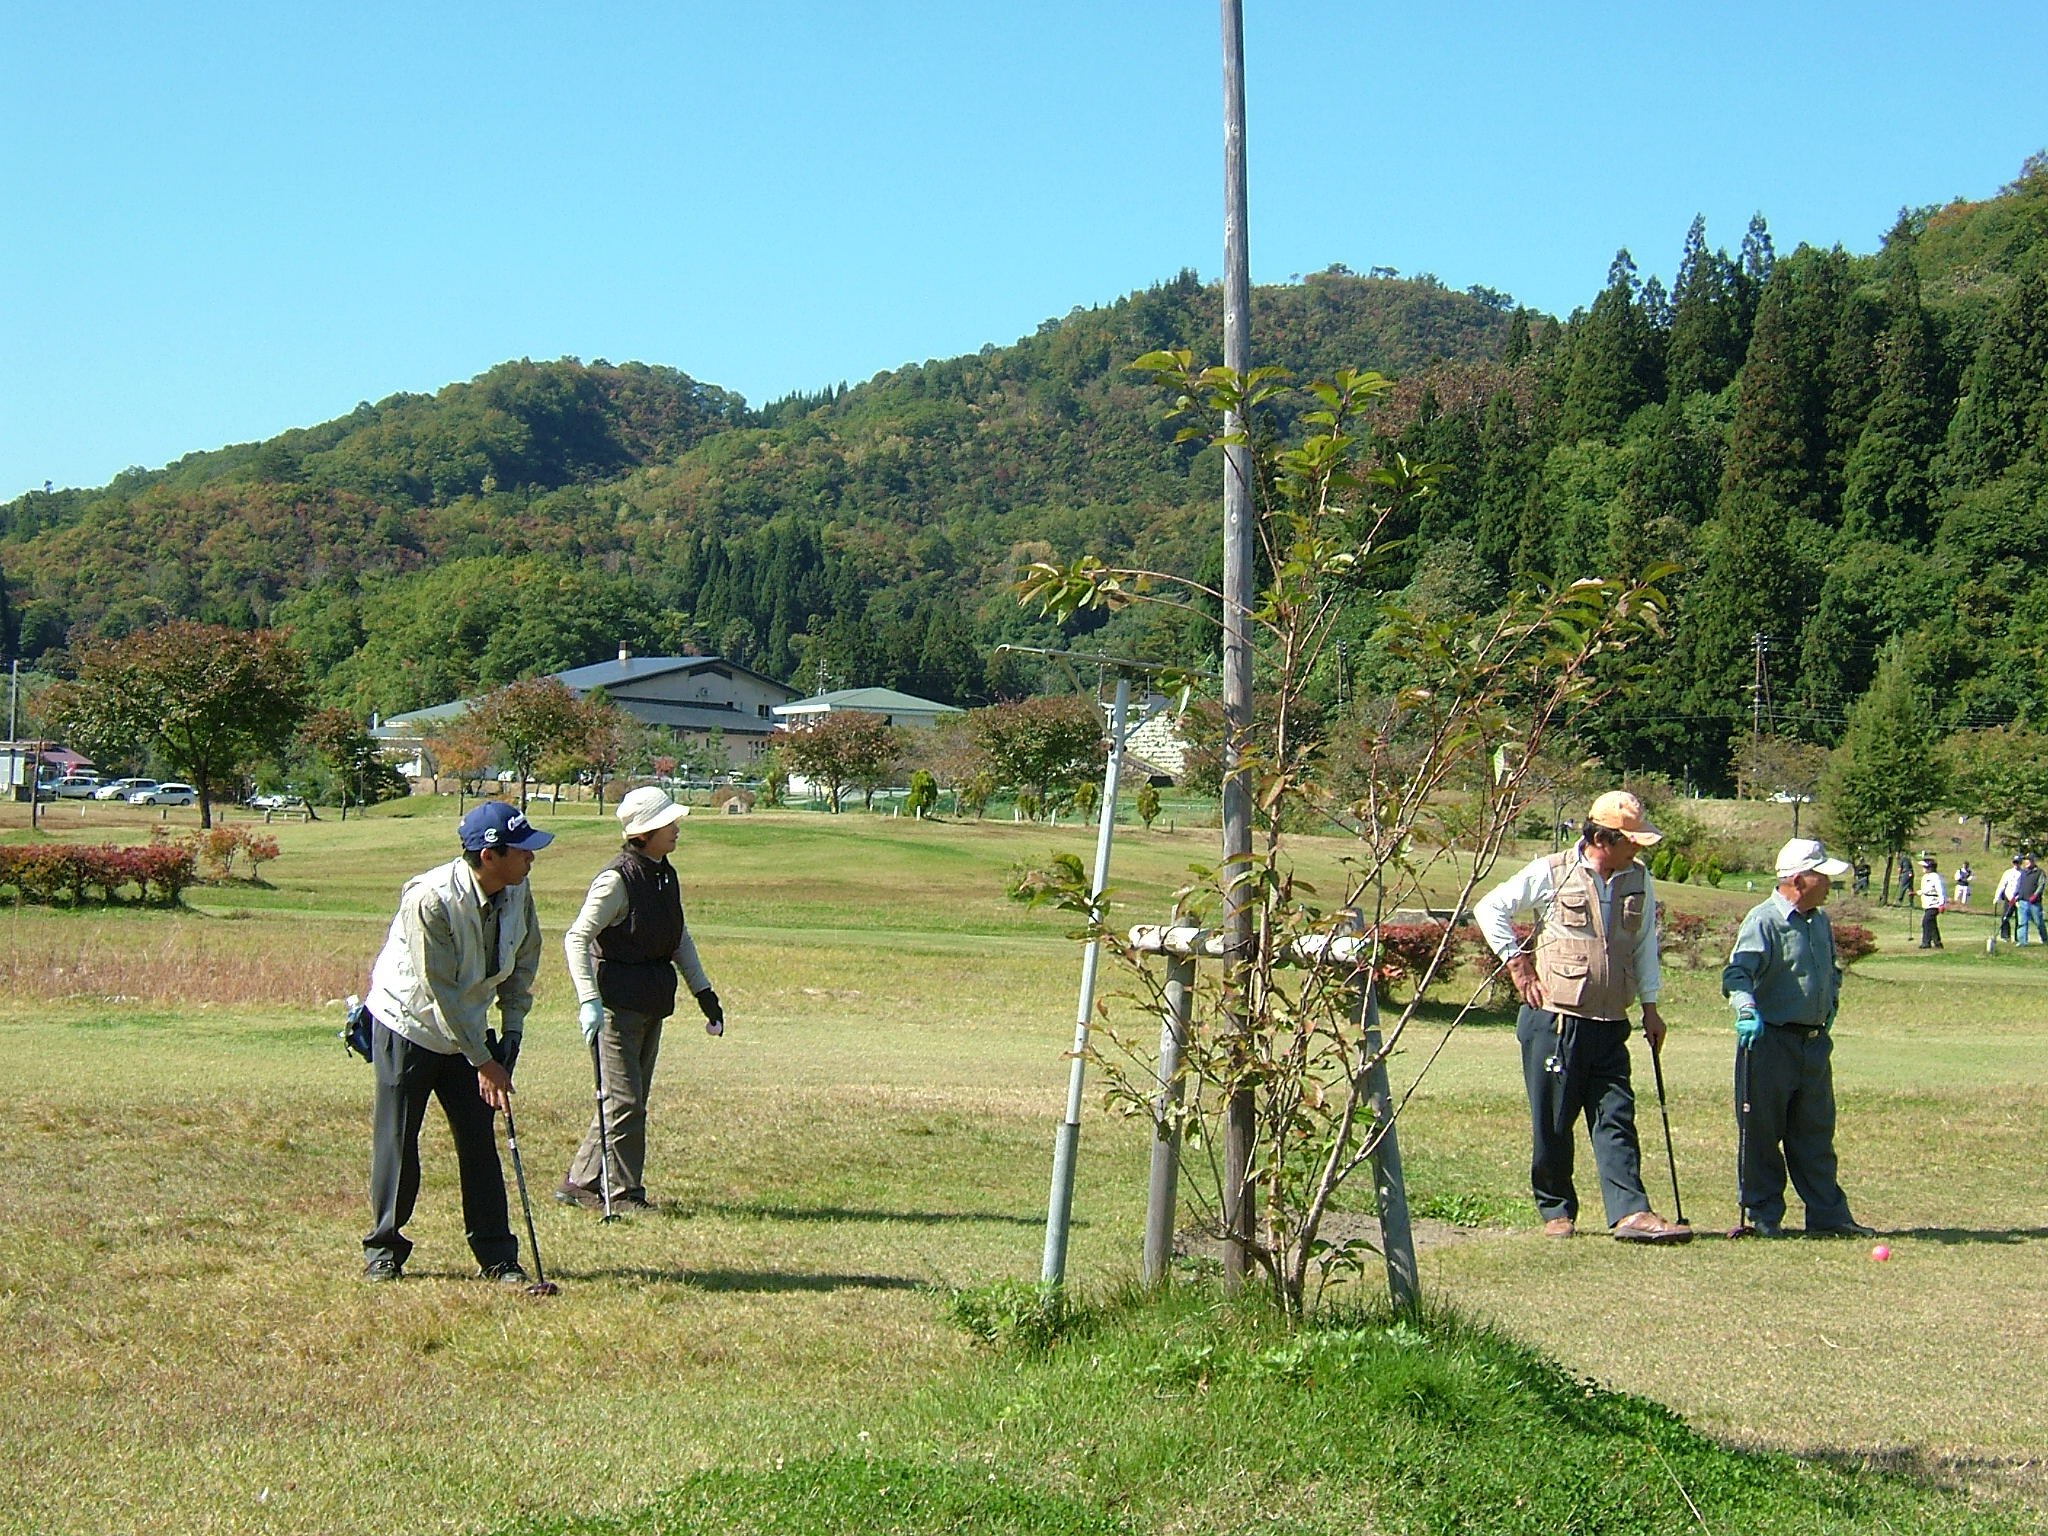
500,824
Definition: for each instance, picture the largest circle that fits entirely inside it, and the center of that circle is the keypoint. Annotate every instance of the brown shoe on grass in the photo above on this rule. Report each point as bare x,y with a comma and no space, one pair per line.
1649,1227
1559,1226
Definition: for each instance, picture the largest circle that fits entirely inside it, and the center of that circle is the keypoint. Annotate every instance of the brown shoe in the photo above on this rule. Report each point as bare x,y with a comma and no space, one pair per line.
1559,1226
1649,1227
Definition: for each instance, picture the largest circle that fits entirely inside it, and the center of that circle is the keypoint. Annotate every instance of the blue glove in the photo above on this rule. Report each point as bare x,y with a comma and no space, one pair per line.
1748,1025
590,1018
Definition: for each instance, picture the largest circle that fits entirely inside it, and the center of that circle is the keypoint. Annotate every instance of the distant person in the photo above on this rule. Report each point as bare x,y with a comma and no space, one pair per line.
1905,878
1593,954
465,935
624,950
2003,894
1861,887
2026,900
1933,897
1964,877
1785,984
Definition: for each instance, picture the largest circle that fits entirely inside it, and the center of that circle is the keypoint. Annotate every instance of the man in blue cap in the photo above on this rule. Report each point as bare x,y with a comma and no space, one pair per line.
465,933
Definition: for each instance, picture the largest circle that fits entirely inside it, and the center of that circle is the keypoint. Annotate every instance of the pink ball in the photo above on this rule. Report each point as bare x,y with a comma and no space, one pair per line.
1880,1253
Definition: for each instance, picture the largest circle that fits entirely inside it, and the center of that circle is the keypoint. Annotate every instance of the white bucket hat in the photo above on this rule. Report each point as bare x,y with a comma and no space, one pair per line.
648,809
1808,855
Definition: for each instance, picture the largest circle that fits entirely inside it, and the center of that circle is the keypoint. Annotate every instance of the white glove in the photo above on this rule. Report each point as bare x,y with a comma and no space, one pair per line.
590,1016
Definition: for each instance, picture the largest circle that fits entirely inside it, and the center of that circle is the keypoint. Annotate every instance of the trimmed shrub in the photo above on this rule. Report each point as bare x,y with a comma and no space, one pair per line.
1853,942
54,872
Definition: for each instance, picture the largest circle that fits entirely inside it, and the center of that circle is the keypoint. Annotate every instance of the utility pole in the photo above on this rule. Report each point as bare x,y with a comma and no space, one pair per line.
1240,1125
1759,700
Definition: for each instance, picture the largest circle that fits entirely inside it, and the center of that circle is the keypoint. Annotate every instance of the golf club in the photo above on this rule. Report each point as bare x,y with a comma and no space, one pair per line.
542,1285
1670,1155
1742,1228
604,1136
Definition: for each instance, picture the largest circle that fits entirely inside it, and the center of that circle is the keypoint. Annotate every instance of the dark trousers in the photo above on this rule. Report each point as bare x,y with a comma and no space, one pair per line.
407,1076
1930,928
1578,1068
1785,1121
2004,917
628,1044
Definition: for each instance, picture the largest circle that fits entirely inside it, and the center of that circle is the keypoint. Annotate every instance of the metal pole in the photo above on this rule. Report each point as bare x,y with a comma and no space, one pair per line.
1237,652
1173,1034
1059,1209
1397,1235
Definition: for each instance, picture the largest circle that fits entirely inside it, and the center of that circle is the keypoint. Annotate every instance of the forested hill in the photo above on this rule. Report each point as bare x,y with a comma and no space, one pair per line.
634,504
1845,453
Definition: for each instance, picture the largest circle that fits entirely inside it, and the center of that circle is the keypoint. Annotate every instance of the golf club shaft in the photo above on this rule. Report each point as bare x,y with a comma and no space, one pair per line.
1741,1128
1670,1154
519,1174
604,1132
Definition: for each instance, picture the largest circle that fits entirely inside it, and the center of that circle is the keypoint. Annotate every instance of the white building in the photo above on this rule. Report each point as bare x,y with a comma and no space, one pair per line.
895,708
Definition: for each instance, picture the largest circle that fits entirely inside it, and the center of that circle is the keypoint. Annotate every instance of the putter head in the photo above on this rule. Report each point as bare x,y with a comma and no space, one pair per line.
1744,1230
543,1288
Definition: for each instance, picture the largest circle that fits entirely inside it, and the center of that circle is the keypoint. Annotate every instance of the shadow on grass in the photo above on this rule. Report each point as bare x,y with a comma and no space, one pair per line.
767,1282
854,1213
1955,1235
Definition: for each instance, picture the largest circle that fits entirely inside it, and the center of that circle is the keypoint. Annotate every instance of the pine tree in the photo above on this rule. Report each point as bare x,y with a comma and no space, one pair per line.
1886,777
1613,361
1704,350
1890,491
2002,418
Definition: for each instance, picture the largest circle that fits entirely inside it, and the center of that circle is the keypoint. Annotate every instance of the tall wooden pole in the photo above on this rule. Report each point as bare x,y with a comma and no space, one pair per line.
1237,651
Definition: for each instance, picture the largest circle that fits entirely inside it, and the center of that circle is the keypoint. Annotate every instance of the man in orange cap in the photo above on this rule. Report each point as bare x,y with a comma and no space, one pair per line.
1592,955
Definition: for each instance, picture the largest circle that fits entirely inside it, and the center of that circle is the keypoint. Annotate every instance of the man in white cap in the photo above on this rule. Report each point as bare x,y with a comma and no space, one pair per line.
465,936
1592,955
1785,985
624,950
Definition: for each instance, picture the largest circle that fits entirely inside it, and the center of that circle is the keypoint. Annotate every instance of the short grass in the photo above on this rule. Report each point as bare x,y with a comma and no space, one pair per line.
192,1351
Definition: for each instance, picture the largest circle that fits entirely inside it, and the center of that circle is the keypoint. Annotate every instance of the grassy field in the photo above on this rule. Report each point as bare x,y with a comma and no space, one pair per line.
192,1349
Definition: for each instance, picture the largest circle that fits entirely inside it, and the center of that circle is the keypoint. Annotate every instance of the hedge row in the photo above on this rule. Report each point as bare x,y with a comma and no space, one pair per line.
78,872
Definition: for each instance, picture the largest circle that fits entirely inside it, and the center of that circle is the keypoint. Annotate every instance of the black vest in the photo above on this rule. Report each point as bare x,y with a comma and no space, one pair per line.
635,971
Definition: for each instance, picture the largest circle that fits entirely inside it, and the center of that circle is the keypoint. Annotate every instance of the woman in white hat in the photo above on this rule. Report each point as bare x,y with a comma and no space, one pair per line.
624,951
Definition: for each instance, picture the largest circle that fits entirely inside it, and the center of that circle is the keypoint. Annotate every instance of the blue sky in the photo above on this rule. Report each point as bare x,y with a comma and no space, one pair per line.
218,221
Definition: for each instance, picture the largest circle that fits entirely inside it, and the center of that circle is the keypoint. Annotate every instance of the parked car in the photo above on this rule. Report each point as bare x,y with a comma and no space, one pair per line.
122,789
76,786
165,794
275,802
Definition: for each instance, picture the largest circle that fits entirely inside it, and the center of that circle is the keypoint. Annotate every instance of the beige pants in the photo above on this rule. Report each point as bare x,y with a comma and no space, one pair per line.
627,1045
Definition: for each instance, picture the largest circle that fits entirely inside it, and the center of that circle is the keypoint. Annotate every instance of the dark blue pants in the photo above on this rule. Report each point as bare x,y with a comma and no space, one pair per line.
407,1076
1785,1122
1589,1079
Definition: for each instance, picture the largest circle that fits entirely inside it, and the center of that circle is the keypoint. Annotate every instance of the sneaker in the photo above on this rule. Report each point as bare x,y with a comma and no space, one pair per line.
1850,1228
383,1269
569,1194
637,1201
1559,1226
504,1274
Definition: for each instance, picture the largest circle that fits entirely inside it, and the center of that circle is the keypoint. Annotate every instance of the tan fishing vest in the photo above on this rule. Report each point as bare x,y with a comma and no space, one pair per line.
1585,968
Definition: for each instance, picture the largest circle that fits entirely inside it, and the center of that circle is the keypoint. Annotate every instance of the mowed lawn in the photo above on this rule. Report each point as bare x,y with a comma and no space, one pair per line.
191,1348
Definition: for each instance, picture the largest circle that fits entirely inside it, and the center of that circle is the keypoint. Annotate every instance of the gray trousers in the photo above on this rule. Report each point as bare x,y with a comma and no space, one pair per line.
627,1044
407,1076
1578,1068
1785,1122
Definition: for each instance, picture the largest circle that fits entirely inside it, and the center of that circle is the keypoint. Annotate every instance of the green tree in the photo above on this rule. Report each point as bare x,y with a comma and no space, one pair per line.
1705,350
203,698
2000,776
848,747
342,745
1887,775
529,720
1041,746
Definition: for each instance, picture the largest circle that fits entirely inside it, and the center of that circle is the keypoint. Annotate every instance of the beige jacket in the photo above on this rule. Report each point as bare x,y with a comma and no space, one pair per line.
434,984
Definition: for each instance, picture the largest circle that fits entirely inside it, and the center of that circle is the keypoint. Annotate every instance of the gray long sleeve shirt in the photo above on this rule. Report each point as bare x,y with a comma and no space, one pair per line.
1783,965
